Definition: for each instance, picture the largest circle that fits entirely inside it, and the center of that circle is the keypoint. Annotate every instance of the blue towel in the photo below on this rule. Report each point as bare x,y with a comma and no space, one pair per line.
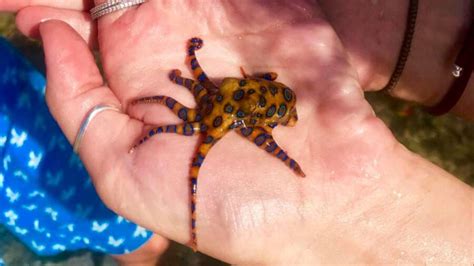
46,197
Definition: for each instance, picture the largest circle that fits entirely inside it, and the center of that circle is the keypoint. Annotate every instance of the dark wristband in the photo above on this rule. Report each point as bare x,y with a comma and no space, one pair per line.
462,71
406,45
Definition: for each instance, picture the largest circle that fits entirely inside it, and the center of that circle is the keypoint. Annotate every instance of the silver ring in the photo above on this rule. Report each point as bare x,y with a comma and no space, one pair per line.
457,71
112,6
90,115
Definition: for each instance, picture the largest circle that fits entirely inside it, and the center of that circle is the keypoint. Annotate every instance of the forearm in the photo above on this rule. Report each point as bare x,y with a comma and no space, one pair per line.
415,213
373,34
404,210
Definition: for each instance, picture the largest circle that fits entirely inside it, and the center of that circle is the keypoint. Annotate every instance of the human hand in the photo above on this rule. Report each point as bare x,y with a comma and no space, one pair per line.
441,29
243,215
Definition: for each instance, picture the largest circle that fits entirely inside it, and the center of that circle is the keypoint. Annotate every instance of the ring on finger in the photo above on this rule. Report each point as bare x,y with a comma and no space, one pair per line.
111,6
85,123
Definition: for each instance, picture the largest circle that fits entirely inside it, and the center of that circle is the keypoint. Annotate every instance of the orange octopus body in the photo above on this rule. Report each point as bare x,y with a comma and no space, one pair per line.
252,106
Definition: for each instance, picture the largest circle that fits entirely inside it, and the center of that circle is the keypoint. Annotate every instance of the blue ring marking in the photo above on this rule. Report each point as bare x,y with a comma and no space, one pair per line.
260,139
159,130
209,139
271,147
219,98
217,121
196,41
172,75
193,207
203,127
197,89
251,91
267,76
194,63
193,185
238,95
171,128
208,107
262,101
188,129
191,50
183,113
198,160
242,82
151,133
170,102
228,108
202,77
193,223
292,164
282,155
188,83
240,114
198,118
287,94
159,97
271,111
282,110
246,131
179,80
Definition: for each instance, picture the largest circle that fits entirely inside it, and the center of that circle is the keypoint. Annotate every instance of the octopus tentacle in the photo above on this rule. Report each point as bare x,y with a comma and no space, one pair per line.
264,140
184,113
193,45
198,160
185,129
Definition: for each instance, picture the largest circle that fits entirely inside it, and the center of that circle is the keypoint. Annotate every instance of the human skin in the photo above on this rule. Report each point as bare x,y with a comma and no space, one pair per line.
365,198
372,32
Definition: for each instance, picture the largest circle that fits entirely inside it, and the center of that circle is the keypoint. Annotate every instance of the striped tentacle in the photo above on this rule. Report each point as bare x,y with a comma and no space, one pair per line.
198,160
194,87
268,76
265,141
184,113
186,129
193,45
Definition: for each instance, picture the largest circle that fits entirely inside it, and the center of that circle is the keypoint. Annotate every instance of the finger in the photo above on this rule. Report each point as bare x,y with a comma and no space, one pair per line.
28,20
15,5
111,17
74,88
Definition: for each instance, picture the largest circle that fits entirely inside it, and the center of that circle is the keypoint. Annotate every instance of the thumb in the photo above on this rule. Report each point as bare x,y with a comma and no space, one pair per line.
74,87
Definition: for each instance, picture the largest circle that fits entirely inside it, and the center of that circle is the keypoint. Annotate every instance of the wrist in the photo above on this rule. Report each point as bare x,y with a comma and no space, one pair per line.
404,210
372,34
419,213
441,28
373,37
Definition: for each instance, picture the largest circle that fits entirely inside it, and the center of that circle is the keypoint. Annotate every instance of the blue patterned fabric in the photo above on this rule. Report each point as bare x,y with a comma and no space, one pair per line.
46,197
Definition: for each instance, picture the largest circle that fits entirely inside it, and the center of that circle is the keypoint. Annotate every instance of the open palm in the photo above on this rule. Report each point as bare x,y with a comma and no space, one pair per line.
250,205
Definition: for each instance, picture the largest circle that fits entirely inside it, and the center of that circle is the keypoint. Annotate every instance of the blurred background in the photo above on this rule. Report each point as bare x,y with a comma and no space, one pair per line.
446,141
